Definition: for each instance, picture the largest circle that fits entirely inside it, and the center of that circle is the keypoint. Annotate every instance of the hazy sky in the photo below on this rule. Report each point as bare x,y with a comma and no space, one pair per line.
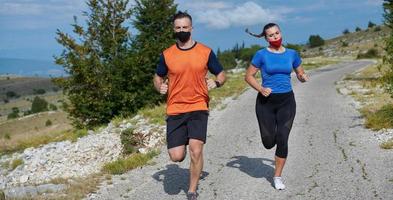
27,27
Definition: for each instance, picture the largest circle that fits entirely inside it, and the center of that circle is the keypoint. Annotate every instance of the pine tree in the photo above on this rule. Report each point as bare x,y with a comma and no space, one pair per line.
153,19
388,58
95,61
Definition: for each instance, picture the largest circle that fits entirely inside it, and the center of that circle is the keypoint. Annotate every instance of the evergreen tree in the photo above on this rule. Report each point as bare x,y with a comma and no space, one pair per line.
388,58
315,41
94,60
39,105
371,24
154,21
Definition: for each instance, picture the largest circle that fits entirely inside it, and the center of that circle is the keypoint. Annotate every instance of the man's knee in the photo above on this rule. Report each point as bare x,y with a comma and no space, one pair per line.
177,157
196,149
177,154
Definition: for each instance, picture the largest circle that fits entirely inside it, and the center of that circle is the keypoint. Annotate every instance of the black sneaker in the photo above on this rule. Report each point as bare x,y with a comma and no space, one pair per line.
192,196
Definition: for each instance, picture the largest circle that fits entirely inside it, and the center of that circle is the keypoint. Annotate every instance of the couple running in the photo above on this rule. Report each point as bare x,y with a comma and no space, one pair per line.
185,65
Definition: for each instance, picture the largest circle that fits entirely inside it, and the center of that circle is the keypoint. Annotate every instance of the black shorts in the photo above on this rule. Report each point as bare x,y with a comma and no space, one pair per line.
180,128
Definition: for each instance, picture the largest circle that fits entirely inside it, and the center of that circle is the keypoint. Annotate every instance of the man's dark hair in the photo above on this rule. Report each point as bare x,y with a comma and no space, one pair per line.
181,14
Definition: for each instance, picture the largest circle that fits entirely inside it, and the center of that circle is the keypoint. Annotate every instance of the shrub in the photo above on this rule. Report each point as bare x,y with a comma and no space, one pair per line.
48,122
39,105
315,41
371,53
52,106
39,91
346,31
128,141
358,29
11,94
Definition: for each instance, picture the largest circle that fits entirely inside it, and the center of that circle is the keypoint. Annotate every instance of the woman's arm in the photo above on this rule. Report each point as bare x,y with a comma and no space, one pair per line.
253,82
301,75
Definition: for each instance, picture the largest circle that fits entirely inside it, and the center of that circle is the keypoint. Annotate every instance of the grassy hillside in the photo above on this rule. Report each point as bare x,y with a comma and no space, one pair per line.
351,44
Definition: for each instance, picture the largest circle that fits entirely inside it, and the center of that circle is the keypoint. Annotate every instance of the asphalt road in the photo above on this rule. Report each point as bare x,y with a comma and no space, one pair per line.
331,155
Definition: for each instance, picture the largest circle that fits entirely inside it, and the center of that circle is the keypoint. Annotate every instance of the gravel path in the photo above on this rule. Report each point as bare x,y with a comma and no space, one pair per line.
331,156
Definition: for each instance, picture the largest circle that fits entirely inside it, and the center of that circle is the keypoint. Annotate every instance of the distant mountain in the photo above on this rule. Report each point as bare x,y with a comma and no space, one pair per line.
28,67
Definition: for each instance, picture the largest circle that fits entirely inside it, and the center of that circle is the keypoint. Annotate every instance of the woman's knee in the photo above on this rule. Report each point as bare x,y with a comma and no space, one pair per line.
268,142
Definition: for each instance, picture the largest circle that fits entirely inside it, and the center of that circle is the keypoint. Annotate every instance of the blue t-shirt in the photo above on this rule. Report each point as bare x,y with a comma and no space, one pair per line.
276,68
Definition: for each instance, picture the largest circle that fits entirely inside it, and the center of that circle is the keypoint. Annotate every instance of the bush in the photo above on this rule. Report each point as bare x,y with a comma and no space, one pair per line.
11,94
371,24
296,47
39,91
48,122
39,105
14,114
371,53
7,136
128,141
383,118
315,41
52,106
358,29
346,31
378,28
344,44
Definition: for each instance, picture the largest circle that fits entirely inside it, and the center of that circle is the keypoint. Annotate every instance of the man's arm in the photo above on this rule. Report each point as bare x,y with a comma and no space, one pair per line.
160,85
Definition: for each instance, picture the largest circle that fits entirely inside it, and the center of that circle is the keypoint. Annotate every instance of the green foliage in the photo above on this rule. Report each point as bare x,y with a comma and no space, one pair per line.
383,118
371,24
48,122
125,164
95,60
110,72
39,91
153,20
7,136
344,44
296,47
387,79
371,53
228,58
315,41
11,94
38,105
15,163
14,114
52,106
378,28
128,140
357,29
346,31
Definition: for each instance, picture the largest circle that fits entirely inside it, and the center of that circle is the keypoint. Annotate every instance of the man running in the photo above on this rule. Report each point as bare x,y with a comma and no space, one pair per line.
185,64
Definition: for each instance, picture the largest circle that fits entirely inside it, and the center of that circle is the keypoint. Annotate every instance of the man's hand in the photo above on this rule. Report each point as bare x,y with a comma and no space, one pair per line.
164,87
211,84
302,77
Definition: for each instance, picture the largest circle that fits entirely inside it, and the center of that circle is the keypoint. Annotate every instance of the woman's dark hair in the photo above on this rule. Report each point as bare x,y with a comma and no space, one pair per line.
263,34
181,14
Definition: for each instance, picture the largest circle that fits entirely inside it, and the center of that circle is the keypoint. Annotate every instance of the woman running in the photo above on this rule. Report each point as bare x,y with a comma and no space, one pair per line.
275,104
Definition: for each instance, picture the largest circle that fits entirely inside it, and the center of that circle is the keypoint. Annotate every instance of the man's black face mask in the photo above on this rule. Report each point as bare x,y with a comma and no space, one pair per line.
182,36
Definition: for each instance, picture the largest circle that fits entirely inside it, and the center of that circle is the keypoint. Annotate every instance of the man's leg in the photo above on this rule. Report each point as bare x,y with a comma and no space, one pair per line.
177,154
196,164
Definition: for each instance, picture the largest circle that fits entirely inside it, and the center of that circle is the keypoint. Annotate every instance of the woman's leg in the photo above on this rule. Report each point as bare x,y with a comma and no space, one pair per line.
266,121
285,117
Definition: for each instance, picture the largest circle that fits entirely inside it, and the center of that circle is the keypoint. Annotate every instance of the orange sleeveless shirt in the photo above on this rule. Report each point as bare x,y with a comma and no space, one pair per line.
187,71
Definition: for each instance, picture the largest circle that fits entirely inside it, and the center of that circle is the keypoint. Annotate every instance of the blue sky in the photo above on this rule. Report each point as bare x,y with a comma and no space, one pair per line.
27,27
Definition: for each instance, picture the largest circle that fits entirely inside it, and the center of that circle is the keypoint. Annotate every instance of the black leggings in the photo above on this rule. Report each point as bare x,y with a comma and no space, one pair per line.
275,115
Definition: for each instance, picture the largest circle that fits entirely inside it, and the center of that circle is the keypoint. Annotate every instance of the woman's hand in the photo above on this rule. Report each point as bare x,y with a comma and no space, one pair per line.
303,77
265,91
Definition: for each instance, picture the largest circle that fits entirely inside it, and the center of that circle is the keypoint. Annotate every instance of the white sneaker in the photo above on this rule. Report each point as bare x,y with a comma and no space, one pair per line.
278,183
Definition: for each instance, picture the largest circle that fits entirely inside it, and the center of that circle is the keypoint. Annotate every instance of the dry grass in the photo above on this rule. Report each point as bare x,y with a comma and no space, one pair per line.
316,62
32,131
388,144
133,161
377,106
